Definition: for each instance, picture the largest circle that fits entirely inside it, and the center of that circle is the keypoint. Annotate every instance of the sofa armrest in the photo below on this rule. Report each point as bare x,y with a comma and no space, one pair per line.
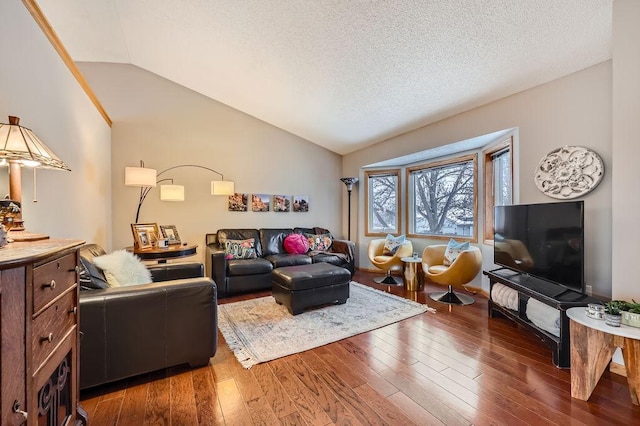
126,331
176,271
218,268
344,246
348,248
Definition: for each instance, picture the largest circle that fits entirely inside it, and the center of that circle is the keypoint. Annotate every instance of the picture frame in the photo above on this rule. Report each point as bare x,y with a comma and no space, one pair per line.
144,234
238,202
260,202
301,203
282,203
170,232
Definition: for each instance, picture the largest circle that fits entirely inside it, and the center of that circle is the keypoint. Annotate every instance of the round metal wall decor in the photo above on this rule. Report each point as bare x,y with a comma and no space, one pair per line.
569,172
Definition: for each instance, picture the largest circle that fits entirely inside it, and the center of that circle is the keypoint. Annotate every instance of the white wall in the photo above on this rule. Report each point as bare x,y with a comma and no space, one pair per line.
626,148
574,110
165,125
36,86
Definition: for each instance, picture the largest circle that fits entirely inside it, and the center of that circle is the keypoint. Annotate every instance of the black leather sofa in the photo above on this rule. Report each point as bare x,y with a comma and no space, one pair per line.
127,331
245,275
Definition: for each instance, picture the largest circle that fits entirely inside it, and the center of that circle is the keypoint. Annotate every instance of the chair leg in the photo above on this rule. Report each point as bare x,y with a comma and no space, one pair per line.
388,279
451,298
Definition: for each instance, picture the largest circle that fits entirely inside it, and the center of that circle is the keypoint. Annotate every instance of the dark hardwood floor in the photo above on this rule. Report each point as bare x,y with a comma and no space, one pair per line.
453,367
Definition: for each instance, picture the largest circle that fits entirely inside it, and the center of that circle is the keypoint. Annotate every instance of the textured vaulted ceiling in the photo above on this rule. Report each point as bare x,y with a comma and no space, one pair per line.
344,74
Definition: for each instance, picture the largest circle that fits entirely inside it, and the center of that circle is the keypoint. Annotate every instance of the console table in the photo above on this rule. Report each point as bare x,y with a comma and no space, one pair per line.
163,254
592,345
40,334
554,295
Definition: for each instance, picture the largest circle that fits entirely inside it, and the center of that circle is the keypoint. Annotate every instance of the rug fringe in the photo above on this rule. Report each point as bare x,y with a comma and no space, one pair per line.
236,345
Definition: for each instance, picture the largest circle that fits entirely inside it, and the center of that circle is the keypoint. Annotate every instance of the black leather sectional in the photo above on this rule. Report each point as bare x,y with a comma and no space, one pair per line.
245,275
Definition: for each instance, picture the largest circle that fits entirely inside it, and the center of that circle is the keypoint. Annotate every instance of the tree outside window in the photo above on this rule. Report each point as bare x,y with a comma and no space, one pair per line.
382,202
444,198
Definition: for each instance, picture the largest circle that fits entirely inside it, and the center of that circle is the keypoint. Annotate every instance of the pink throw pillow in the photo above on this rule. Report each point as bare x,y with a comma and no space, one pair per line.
296,244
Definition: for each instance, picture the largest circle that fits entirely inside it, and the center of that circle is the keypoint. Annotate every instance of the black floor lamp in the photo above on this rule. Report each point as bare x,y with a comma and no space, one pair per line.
349,181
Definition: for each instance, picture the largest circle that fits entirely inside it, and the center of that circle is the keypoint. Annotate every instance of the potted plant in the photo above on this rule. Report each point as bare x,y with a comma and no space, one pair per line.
613,312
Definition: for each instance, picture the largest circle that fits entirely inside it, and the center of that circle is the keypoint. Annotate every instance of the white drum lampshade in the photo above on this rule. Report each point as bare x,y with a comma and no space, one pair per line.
172,192
139,176
222,187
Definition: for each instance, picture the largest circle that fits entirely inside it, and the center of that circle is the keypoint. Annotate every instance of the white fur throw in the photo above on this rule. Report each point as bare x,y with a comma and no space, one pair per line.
122,268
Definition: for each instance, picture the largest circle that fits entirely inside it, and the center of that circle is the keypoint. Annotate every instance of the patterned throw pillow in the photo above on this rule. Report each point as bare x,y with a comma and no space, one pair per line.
240,249
296,244
392,244
319,242
454,248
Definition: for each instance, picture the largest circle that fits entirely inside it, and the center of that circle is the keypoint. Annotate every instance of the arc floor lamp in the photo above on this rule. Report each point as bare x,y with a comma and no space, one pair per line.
349,182
147,178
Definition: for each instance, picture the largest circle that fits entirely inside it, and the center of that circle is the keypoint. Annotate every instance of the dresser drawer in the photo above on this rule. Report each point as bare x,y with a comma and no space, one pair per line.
50,327
52,279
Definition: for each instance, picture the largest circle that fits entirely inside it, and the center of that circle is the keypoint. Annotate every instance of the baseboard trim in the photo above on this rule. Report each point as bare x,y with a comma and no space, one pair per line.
379,271
476,290
616,368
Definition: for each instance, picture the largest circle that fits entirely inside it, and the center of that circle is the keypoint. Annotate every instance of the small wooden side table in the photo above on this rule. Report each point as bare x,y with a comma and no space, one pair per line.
412,274
592,345
174,251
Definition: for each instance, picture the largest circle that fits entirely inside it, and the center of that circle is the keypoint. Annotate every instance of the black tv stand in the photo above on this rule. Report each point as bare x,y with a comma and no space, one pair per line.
554,295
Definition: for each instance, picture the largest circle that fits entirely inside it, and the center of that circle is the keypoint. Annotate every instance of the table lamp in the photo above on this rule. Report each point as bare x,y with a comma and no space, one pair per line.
20,147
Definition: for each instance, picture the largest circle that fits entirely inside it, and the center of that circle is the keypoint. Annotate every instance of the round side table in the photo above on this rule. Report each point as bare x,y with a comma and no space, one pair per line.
163,254
412,274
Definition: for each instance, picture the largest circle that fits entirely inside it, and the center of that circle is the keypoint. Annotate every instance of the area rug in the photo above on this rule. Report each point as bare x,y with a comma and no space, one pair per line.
260,330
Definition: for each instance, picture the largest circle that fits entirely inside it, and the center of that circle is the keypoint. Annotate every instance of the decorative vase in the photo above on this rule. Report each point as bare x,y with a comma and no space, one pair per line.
612,320
631,319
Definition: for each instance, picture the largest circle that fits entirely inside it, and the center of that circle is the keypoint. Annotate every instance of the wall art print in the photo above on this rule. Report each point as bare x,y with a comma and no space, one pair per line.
238,202
569,172
260,202
282,203
300,203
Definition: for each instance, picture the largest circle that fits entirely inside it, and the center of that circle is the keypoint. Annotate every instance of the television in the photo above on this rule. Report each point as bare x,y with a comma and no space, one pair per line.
545,241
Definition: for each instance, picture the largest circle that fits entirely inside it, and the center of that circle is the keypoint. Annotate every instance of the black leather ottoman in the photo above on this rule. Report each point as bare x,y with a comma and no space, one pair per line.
307,286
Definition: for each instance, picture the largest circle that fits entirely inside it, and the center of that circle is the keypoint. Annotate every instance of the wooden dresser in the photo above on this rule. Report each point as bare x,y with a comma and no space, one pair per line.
39,333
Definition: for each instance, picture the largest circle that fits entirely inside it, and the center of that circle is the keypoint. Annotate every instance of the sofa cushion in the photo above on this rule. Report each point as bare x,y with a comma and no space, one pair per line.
280,260
272,240
240,249
238,267
296,244
239,234
337,259
91,277
304,230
